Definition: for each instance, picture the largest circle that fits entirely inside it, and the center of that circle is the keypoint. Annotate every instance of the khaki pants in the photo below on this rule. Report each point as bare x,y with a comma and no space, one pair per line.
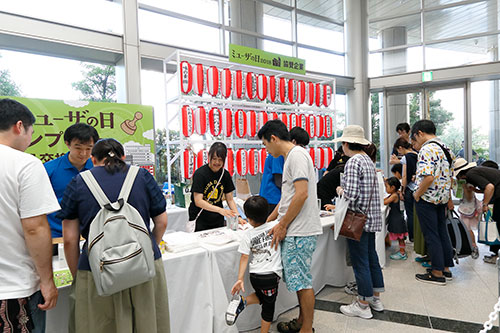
140,309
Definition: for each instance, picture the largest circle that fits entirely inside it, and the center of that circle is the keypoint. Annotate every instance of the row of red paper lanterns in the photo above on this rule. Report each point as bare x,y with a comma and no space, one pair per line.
216,122
248,162
226,83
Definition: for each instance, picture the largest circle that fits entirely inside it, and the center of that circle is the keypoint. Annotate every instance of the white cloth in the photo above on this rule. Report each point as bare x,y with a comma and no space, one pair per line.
26,192
264,259
298,166
177,218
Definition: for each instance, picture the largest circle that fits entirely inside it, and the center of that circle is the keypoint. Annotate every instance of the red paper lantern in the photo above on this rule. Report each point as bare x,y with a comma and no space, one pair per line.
226,82
320,122
201,158
311,95
262,87
229,163
252,123
215,121
319,155
253,161
319,94
273,89
327,95
292,91
293,120
189,161
328,156
312,153
227,122
187,121
240,123
284,118
261,119
274,116
282,89
239,85
186,76
303,121
328,128
200,120
242,162
301,92
199,79
213,81
262,159
251,85
311,125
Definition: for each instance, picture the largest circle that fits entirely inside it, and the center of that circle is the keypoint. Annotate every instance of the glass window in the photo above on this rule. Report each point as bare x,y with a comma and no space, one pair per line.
381,8
263,44
395,32
152,93
164,29
459,21
461,52
322,62
485,116
277,23
434,3
203,9
319,33
93,14
395,62
331,9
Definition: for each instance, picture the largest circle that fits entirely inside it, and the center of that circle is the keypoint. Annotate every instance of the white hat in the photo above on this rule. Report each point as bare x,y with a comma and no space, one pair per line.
461,165
353,134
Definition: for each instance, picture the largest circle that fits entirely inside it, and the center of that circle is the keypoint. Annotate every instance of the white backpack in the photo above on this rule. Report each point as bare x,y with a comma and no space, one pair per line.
120,249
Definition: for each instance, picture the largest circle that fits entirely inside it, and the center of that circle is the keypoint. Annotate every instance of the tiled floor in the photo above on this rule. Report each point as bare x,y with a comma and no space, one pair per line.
463,305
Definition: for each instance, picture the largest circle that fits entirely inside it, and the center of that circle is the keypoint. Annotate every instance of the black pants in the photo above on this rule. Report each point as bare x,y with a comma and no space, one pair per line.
266,290
496,218
409,208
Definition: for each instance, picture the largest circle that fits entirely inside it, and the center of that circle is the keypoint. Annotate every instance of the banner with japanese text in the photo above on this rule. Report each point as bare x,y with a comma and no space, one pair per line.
130,124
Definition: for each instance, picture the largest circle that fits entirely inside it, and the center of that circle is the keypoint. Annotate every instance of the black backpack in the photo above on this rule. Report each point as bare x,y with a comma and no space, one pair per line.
460,237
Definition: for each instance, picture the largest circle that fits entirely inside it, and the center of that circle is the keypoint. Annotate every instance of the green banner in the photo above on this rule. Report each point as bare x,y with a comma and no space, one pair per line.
250,56
130,124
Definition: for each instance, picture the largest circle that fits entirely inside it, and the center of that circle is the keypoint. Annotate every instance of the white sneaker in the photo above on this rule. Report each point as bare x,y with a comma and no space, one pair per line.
355,310
376,304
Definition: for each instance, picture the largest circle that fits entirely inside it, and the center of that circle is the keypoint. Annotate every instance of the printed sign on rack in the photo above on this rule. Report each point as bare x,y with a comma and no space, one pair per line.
254,57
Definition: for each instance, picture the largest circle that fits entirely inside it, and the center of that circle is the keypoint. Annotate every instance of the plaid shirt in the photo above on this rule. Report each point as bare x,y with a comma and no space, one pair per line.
360,184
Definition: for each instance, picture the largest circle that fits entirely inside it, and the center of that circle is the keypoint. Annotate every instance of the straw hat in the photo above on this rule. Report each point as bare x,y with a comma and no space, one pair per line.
353,134
461,165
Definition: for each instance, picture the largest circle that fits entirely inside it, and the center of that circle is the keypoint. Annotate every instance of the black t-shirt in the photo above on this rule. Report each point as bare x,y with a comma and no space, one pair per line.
327,185
204,181
411,166
482,176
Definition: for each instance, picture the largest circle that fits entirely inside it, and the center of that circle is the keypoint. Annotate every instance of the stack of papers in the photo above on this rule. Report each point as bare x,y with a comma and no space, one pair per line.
217,236
180,241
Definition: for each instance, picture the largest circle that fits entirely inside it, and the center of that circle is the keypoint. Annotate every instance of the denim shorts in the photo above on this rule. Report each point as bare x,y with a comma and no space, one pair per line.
296,255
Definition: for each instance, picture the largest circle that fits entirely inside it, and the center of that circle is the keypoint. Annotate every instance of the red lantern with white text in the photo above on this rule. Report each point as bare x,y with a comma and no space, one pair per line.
273,116
201,158
262,118
200,120
320,122
301,91
327,95
251,86
273,89
319,94
328,156
189,161
252,123
311,95
187,121
215,121
262,87
240,123
292,91
253,161
311,125
319,156
328,130
227,122
239,85
199,79
242,162
293,120
262,159
213,81
284,118
226,80
312,153
186,76
282,89
229,164
303,121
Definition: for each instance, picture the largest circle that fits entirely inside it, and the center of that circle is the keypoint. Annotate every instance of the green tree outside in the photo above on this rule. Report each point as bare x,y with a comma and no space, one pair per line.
7,86
99,83
161,156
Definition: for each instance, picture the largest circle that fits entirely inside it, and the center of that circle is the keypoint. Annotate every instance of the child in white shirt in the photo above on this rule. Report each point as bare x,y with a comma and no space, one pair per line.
265,266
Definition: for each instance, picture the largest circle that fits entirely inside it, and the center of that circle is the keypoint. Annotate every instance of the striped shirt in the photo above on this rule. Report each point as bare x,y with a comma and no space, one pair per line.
360,184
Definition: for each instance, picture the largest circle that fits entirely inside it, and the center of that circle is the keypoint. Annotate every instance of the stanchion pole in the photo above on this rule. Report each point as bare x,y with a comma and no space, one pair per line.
498,267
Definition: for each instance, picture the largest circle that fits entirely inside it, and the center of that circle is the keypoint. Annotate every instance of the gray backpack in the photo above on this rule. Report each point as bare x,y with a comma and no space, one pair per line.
120,248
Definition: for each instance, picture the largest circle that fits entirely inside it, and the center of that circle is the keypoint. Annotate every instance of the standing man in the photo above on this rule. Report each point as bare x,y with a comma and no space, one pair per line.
483,180
299,222
79,138
433,178
270,185
27,287
403,130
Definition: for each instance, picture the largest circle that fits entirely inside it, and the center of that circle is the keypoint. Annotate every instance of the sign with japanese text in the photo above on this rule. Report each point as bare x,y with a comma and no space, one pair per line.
250,56
130,124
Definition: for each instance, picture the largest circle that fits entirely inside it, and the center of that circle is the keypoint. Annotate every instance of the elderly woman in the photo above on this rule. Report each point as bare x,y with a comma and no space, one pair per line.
360,187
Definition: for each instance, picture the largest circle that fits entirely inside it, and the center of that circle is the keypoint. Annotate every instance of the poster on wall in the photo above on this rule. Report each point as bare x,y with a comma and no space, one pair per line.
130,124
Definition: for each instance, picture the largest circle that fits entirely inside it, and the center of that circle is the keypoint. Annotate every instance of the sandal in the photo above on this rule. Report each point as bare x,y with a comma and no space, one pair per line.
291,326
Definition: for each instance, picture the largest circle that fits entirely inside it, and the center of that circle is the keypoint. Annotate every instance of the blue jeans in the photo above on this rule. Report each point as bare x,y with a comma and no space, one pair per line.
432,220
409,209
37,315
366,267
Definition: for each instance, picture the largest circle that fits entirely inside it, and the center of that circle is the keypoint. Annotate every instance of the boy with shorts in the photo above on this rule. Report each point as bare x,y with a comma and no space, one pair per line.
265,266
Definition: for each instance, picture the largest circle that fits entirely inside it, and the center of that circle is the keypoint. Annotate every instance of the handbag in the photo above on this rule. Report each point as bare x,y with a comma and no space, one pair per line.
487,231
354,222
191,225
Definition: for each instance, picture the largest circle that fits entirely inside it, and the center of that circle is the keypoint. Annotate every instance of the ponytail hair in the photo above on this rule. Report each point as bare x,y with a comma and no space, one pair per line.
111,152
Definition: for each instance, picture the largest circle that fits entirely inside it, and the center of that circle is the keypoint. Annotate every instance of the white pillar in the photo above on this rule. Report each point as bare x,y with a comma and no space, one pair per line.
494,132
247,15
356,46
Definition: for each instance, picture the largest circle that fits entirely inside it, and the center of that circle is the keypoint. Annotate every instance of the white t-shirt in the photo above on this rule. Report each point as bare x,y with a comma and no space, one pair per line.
299,166
26,192
265,260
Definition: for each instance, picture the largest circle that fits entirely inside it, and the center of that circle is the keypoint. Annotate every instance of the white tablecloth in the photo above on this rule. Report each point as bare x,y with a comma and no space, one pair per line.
177,218
199,283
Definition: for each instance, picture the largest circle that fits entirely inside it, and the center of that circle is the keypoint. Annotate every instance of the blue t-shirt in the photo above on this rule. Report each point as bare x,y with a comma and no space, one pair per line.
268,188
60,172
78,202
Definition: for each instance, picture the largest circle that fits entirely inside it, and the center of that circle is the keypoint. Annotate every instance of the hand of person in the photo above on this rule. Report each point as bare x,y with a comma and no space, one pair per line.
329,207
241,221
401,196
227,212
416,196
486,208
239,285
340,191
393,160
278,232
49,293
451,206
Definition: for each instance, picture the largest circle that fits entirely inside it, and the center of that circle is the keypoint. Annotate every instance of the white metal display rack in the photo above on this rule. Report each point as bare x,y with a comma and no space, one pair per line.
181,99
